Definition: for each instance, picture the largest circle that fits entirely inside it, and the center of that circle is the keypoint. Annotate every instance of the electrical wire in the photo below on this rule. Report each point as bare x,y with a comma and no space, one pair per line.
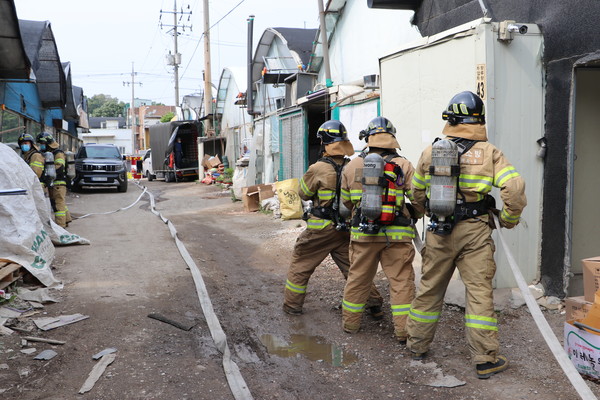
201,36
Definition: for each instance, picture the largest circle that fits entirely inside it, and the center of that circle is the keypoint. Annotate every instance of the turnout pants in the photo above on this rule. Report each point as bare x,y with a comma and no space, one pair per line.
469,248
312,246
396,261
58,195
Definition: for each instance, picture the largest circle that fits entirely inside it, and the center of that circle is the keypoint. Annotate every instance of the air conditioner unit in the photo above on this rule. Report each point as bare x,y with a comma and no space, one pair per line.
371,81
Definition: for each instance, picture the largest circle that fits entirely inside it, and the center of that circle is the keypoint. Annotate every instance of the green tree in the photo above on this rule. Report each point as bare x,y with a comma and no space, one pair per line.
102,105
167,117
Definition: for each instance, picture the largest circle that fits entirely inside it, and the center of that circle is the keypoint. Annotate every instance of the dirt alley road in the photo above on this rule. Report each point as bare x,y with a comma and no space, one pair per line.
132,269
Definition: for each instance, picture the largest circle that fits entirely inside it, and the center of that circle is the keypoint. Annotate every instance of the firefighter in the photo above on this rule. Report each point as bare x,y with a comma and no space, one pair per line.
384,234
326,232
464,241
33,157
58,190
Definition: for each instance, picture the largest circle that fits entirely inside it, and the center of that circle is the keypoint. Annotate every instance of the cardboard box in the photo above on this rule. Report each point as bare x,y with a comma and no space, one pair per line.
591,277
205,163
214,162
576,308
583,349
265,192
253,195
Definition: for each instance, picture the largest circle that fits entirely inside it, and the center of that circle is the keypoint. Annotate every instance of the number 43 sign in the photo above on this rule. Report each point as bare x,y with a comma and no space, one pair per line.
481,78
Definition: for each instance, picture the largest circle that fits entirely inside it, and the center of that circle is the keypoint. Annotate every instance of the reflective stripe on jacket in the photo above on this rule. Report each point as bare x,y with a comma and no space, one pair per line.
36,162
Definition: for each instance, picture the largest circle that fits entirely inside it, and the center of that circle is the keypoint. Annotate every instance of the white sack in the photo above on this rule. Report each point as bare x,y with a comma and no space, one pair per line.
27,232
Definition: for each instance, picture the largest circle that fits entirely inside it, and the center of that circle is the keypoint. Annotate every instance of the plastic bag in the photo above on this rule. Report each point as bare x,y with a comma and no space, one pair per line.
290,203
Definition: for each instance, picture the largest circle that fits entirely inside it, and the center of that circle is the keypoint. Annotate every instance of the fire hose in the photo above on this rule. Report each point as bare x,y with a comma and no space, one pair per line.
236,382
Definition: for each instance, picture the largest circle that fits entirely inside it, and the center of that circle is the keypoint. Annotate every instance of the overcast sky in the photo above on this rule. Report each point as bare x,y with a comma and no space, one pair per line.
102,38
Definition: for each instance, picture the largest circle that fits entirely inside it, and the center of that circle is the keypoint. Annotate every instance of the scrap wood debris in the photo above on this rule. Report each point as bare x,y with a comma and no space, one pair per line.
97,372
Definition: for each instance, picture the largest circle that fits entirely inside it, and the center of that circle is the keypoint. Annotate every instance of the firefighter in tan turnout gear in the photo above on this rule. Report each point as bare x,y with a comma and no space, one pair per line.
375,186
326,231
33,157
456,193
58,190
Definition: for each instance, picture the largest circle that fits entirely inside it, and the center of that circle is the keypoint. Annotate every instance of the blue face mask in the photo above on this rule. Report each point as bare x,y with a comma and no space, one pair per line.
42,147
25,148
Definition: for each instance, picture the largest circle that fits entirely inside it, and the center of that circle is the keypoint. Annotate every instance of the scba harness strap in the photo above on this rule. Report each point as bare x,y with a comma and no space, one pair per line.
332,212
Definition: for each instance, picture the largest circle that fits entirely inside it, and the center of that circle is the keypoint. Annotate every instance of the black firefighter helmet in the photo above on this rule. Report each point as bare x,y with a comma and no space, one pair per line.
24,137
465,108
45,138
332,131
378,125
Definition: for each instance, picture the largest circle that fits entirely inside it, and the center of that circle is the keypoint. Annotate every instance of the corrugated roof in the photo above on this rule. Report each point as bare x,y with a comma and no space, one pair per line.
299,41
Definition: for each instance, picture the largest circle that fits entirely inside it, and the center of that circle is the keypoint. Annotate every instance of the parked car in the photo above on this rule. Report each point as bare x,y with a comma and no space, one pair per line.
100,165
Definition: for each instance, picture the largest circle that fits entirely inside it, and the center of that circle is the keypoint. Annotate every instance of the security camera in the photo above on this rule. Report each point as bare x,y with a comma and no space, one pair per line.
507,30
522,29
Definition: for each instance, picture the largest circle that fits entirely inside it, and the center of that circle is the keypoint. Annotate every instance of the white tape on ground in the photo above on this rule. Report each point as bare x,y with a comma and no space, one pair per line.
237,385
551,340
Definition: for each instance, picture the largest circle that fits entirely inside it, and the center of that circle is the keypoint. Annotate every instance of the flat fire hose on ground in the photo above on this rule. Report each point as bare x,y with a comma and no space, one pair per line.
557,350
236,382
114,211
237,385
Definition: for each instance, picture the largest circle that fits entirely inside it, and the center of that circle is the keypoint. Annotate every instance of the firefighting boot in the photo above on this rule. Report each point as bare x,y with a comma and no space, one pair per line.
350,328
375,312
292,311
488,369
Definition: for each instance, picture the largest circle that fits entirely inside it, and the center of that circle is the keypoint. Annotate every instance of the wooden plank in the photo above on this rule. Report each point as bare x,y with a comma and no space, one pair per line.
8,269
9,273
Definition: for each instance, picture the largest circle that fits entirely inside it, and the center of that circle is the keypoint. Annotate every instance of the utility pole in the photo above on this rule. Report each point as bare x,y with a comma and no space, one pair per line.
132,107
324,44
175,59
207,75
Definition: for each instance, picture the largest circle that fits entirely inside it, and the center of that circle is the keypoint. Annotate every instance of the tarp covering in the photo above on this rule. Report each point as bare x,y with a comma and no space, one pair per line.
14,63
41,49
70,111
27,232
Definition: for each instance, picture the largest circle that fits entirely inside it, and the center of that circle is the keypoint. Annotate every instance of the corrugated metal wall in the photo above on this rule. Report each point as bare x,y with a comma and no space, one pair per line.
293,143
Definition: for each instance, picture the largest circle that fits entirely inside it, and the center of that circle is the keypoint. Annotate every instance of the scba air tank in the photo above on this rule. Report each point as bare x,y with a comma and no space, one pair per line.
70,156
372,190
444,173
49,167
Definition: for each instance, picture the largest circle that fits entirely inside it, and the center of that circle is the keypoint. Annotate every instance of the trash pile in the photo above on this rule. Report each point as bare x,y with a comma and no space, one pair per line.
23,314
582,322
281,198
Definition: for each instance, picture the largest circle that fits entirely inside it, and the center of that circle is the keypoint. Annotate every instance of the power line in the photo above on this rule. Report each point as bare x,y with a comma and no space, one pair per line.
201,36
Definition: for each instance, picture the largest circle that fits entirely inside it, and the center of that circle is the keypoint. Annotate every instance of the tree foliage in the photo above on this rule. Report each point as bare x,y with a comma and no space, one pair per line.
102,105
167,117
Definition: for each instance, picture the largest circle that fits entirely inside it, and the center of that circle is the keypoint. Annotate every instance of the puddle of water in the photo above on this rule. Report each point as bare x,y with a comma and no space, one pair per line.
309,346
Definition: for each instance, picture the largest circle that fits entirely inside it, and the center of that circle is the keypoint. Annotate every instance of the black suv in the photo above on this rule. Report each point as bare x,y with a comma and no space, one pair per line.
100,165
